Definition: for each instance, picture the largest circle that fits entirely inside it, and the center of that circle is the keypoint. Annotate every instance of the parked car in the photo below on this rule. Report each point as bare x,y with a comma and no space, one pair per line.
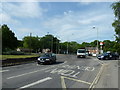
108,56
47,58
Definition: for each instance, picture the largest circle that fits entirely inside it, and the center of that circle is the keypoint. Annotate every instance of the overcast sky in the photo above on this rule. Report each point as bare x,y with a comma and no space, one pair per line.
69,21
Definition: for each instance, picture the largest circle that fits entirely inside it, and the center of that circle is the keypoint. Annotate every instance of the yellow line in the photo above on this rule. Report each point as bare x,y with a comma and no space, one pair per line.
96,78
78,80
63,83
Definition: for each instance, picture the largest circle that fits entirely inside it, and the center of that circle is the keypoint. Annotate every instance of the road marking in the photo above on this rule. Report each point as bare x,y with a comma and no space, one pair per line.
97,77
81,81
63,83
34,83
33,71
4,70
28,73
101,62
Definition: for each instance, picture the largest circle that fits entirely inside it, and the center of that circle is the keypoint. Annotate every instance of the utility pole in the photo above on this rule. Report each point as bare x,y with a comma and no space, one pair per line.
30,43
67,47
52,44
97,40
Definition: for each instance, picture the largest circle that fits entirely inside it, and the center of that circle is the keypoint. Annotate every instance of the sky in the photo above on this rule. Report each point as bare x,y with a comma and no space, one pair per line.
68,21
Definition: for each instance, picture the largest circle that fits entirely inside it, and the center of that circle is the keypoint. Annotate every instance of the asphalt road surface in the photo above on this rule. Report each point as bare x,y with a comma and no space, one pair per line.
68,72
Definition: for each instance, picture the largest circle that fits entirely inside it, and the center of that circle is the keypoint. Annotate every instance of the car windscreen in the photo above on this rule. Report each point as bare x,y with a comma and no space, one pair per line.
46,55
81,51
105,54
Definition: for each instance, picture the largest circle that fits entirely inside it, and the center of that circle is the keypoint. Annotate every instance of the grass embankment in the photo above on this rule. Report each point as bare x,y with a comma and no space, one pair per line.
3,57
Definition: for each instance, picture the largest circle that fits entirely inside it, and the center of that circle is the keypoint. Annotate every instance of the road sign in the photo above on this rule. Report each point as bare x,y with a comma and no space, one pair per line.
101,43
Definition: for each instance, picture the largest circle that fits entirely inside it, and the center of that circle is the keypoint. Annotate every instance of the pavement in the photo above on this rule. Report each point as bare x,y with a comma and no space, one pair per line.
69,72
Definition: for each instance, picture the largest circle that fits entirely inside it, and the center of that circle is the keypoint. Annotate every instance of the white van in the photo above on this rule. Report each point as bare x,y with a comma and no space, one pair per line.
81,53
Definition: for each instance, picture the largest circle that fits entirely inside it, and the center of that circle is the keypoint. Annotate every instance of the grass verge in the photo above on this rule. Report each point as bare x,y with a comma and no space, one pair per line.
3,57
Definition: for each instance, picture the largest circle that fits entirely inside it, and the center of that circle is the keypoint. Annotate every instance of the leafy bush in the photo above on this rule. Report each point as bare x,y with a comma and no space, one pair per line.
13,53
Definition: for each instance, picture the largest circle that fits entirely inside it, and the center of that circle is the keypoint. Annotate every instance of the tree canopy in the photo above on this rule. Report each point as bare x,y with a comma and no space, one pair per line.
9,41
116,23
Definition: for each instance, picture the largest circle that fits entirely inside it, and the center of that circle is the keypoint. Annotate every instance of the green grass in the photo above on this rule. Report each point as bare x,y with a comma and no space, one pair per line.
2,57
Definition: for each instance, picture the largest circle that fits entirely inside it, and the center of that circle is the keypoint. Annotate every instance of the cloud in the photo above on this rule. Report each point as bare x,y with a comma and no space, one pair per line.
78,26
23,9
4,18
26,32
92,19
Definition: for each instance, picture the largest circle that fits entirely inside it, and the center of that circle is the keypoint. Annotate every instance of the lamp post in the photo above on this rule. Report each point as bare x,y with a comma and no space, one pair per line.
67,47
97,39
51,41
58,44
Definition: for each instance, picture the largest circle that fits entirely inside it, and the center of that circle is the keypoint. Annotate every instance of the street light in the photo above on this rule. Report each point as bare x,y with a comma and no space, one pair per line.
97,39
58,47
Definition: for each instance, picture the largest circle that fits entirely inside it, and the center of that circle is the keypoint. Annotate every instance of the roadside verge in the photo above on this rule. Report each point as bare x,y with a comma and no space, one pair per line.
17,61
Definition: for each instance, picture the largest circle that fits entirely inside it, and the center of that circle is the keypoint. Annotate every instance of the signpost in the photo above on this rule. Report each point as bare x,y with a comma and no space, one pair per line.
101,44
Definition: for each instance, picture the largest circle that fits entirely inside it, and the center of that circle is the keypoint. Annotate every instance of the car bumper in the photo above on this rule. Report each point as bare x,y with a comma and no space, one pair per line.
41,61
81,56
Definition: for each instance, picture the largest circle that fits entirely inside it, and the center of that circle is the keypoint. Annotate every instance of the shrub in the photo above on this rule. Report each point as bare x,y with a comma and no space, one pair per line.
13,53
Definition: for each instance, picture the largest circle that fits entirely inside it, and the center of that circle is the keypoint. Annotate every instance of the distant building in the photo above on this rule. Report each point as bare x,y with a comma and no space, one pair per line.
92,50
46,50
26,50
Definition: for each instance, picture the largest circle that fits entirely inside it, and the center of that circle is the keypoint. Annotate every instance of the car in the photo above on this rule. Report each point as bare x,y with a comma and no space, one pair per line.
47,58
108,56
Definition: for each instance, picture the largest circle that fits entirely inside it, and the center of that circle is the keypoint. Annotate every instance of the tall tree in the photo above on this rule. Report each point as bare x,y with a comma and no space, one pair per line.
9,41
51,42
116,23
31,42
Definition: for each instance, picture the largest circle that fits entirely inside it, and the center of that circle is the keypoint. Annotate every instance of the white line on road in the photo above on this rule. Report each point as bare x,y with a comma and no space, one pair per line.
27,73
33,71
4,70
34,83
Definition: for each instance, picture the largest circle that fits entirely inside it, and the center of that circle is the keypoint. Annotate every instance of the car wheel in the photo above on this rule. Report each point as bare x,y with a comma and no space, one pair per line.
38,62
55,61
50,62
106,58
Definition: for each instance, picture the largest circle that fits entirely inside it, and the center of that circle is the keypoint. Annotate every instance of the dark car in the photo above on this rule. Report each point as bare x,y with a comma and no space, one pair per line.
47,58
108,56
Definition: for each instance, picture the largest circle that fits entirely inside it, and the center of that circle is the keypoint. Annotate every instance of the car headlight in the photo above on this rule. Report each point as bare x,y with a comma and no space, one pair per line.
102,56
38,58
47,59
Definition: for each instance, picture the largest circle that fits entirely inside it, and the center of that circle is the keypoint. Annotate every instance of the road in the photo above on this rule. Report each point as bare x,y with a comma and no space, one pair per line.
68,72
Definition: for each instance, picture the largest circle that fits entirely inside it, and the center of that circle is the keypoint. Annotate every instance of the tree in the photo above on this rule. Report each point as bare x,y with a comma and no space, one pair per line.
51,42
20,43
31,42
116,23
9,41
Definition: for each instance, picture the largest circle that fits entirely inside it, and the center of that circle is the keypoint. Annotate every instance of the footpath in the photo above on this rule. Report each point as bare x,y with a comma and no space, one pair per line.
110,77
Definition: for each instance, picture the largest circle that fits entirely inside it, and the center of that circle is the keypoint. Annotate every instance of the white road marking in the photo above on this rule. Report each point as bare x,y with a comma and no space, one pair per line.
34,83
100,62
28,73
4,70
33,71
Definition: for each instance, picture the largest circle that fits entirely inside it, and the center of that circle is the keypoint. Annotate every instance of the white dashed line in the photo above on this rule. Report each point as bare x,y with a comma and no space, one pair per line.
34,83
33,71
4,71
27,73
